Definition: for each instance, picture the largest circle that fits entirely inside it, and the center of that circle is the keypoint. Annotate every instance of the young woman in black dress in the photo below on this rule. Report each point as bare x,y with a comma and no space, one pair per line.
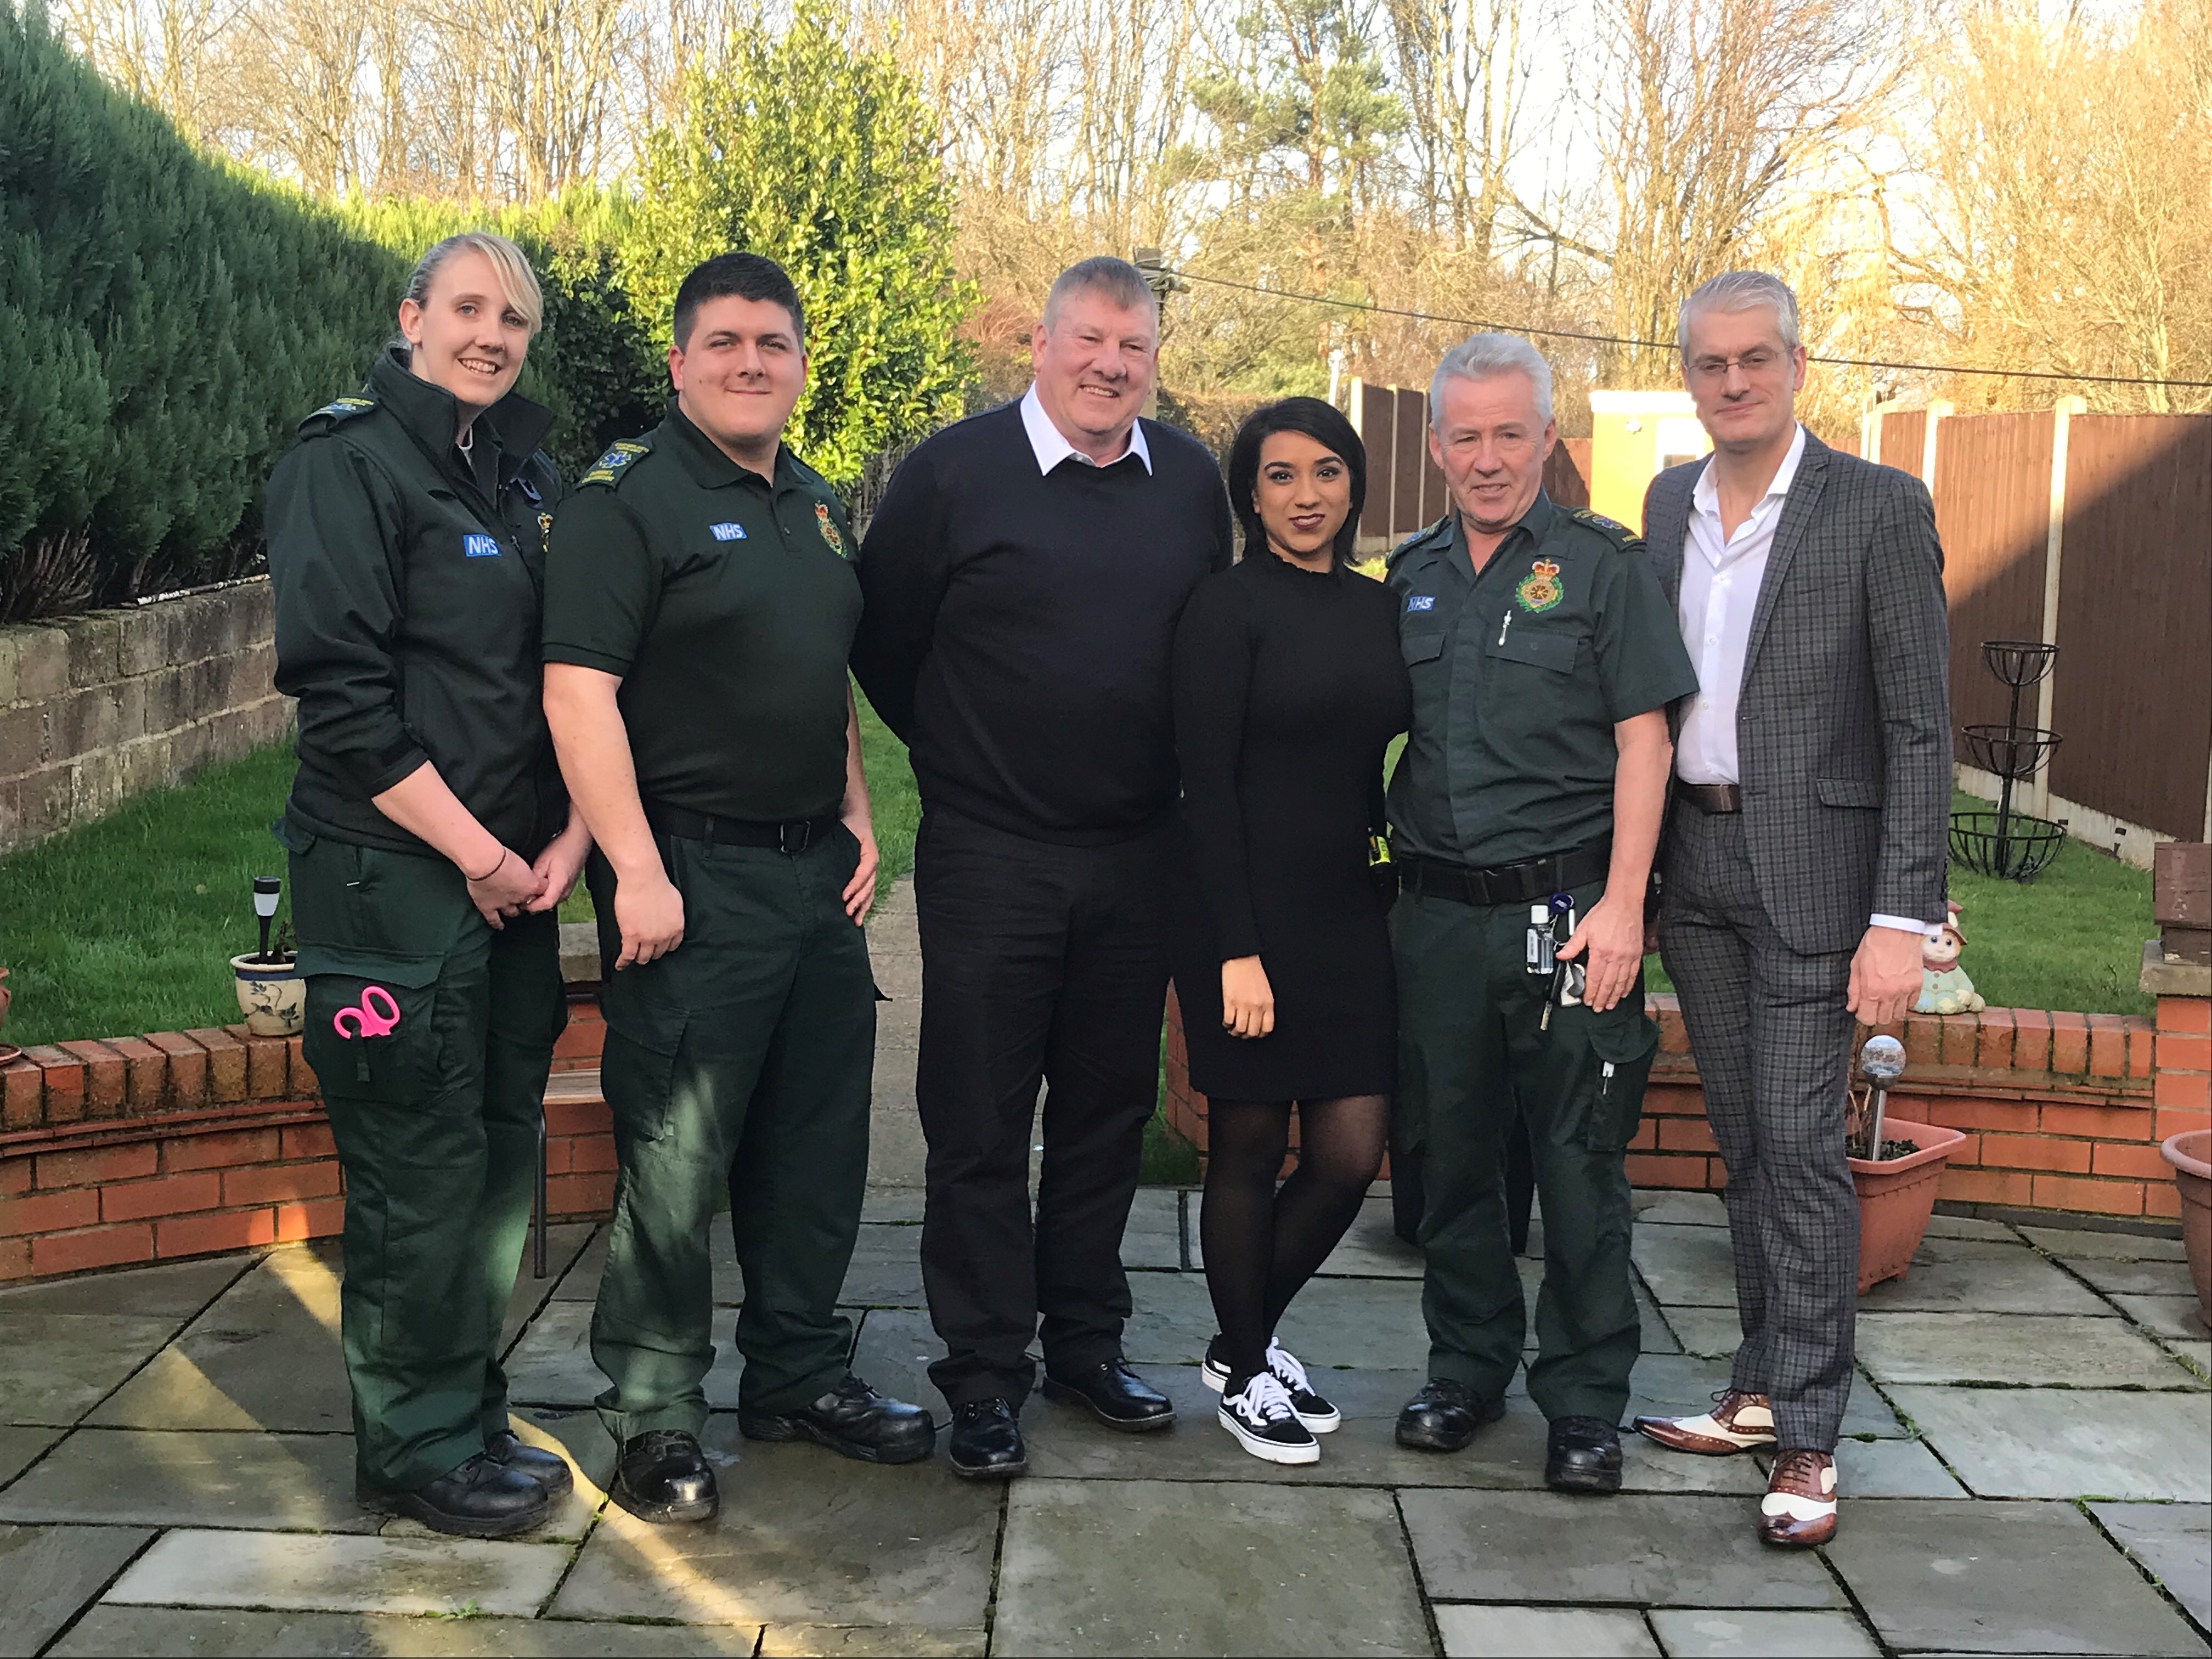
1288,688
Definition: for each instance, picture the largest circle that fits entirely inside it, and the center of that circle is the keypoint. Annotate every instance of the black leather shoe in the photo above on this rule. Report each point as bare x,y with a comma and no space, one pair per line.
986,1442
1444,1415
549,1469
662,1475
855,1419
1116,1395
482,1499
1582,1454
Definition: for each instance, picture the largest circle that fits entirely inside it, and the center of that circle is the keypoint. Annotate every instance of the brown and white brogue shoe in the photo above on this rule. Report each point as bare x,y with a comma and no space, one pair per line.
1737,1423
1799,1510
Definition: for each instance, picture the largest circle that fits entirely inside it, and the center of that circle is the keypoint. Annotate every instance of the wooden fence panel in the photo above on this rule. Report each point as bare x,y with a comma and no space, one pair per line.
1993,515
1374,410
1904,440
2134,690
1407,452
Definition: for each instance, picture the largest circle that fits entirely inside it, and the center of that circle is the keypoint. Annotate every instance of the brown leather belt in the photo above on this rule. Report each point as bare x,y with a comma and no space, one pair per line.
1712,797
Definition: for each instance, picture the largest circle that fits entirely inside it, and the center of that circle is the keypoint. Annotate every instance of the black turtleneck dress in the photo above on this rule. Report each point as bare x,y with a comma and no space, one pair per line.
1288,689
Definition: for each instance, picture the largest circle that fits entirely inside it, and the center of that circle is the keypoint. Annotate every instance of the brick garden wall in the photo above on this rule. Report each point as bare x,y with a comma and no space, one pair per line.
94,709
2061,1111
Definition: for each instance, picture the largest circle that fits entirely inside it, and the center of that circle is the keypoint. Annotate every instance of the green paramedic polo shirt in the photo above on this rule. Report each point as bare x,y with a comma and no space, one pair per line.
1520,674
727,603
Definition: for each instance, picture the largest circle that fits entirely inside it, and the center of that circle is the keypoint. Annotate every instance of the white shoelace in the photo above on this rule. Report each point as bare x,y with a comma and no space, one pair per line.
1287,1370
1265,1400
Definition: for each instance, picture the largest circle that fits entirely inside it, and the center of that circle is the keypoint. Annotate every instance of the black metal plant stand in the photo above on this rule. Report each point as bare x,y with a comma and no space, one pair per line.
2015,845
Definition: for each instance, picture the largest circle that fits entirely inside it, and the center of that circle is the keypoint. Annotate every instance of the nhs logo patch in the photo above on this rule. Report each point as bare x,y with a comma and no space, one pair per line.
726,533
480,547
1421,602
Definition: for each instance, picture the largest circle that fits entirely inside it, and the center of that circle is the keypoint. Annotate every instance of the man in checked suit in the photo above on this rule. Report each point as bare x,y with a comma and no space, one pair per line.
1805,855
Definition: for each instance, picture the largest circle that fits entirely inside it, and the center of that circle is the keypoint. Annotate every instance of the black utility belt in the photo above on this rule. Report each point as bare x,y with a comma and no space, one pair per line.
793,836
1507,883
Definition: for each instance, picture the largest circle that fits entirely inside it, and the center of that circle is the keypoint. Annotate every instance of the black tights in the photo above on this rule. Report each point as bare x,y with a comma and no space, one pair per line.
1261,1245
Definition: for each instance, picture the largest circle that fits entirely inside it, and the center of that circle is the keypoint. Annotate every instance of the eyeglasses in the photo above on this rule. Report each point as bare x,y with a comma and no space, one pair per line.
1757,361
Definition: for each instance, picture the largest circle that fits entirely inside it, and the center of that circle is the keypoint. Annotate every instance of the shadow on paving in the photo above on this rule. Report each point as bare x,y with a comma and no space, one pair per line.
176,1476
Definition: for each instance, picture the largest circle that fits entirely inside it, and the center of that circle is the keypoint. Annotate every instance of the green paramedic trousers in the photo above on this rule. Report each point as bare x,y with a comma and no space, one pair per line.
437,1125
1472,1053
739,1062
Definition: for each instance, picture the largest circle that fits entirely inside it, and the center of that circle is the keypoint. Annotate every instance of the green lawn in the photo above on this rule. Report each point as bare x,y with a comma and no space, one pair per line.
2072,938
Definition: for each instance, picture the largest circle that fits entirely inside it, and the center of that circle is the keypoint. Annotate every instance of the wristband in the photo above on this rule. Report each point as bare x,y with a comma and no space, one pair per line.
505,854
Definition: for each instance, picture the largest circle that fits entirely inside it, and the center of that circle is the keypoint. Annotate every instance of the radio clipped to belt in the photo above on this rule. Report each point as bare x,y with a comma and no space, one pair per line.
1550,927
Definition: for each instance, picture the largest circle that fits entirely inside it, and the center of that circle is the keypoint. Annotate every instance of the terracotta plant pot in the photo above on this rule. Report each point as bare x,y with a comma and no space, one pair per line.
2191,1154
1896,1197
271,995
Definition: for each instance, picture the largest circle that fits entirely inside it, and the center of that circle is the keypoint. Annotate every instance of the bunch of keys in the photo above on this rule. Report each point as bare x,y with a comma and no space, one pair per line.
1550,927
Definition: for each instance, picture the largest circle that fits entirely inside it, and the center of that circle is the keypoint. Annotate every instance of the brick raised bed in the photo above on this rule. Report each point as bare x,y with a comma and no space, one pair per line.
2061,1111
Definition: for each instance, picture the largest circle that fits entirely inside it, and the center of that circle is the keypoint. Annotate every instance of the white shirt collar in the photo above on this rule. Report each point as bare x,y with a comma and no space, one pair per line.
1706,495
1051,448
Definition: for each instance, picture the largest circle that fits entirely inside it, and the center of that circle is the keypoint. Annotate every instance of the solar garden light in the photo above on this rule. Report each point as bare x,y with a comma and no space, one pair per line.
1881,1062
265,891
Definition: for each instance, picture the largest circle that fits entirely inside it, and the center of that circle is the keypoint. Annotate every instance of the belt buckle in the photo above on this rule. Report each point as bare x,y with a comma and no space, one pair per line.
783,837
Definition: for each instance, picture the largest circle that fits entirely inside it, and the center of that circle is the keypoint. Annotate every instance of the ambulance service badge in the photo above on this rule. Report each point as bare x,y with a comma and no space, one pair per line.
1539,589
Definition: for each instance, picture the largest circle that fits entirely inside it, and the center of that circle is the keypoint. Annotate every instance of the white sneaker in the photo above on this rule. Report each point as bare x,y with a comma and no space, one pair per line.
1315,1412
1265,1424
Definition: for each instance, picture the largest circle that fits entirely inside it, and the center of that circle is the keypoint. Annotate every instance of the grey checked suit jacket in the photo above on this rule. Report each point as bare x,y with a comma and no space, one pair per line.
1844,727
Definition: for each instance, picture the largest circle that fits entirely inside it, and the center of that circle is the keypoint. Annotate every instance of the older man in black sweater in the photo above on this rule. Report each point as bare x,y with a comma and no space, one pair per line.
1023,576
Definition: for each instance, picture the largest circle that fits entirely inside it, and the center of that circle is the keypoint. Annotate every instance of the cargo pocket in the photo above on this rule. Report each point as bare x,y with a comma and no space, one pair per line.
637,1065
351,1057
1621,1052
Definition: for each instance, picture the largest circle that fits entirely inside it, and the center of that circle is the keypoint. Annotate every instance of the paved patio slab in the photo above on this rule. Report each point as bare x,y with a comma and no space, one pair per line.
2052,1442
2079,1242
1685,1267
1153,1238
1371,1248
1691,1634
885,1270
552,1364
1672,1385
1155,1567
20,1449
2000,1578
174,1291
327,1573
563,1244
60,1365
264,1356
1889,1468
47,1573
1680,1210
1492,1633
869,1641
1643,1551
804,1537
2174,1542
1968,1226
298,1481
151,1632
1980,1276
1707,1333
2170,1318
2135,1278
2014,1349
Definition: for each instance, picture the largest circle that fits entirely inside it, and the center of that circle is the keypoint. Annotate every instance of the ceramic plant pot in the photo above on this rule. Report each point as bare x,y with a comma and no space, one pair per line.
2191,1154
271,995
1896,1197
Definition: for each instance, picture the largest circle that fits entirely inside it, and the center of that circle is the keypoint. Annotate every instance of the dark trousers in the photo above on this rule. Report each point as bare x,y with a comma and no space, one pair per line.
1476,1061
436,1124
740,1062
1772,1037
1046,964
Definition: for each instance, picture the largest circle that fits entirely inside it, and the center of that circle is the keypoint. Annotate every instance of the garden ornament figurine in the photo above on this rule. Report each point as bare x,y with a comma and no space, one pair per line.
1944,986
6,997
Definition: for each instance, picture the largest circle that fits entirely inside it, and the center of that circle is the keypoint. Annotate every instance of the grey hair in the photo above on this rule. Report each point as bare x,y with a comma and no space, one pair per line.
1117,279
1740,290
1485,357
517,281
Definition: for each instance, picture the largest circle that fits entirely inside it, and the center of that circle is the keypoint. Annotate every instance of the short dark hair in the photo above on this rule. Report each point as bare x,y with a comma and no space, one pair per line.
735,276
1327,427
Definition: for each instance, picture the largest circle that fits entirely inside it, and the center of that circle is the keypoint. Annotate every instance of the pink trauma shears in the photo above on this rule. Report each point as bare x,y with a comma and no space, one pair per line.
375,1016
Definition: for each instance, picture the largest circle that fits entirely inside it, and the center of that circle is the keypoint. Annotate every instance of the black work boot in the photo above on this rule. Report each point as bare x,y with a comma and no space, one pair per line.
1444,1415
549,1469
662,1475
482,1499
852,1419
1582,1453
986,1442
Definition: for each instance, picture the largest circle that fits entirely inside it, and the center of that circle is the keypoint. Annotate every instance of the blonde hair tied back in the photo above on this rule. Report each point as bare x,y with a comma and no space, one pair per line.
516,279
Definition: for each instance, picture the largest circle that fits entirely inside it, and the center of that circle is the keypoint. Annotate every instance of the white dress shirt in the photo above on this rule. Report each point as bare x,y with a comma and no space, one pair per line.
1721,575
1051,448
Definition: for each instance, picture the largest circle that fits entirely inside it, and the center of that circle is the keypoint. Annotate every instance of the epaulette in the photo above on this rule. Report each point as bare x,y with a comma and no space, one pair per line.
610,467
345,408
1620,534
1421,538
